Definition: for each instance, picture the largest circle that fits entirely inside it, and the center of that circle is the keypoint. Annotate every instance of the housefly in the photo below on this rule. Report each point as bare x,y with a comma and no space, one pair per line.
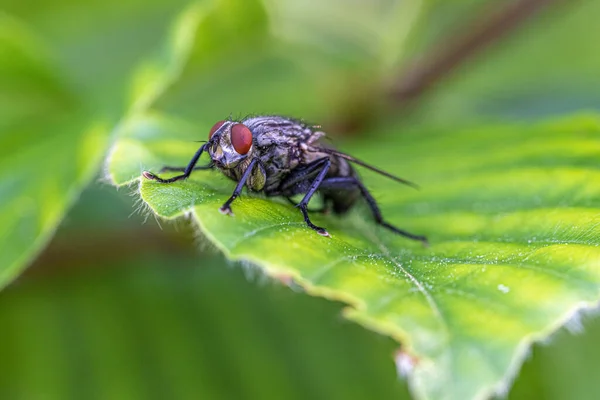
283,157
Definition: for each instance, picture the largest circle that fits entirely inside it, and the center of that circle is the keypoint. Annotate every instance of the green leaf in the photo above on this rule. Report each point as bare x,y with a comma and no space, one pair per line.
331,29
137,322
510,211
204,36
60,97
48,151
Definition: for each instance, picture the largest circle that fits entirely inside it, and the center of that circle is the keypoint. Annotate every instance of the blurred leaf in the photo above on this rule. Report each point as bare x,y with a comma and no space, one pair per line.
546,67
48,151
201,38
59,99
239,60
510,213
138,330
30,85
97,44
367,32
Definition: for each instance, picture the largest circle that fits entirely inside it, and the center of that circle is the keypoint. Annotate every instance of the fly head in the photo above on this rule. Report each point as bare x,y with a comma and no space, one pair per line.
229,143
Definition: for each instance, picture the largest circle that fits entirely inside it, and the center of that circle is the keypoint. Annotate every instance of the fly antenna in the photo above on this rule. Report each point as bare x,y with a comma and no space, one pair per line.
367,166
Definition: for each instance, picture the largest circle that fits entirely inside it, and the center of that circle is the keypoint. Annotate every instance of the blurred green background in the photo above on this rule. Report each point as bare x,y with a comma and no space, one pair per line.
117,306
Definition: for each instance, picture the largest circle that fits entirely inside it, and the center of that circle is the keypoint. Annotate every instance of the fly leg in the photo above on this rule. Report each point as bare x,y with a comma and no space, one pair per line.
325,163
300,182
322,210
182,169
297,182
226,207
186,172
345,182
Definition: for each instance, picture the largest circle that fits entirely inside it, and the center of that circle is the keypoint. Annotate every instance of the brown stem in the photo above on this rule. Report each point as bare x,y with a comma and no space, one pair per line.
446,56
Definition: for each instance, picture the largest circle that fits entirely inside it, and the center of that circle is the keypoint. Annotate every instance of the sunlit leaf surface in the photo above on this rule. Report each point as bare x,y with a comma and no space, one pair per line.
511,214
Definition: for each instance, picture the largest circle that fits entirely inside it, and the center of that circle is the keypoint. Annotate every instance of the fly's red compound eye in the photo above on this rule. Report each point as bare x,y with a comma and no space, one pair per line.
215,128
241,138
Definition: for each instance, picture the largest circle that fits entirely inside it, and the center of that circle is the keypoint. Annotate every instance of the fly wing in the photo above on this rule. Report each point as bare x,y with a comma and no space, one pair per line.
364,164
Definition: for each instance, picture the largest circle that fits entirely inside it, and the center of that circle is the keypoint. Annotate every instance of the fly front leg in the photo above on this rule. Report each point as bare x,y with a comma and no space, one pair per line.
303,205
347,182
182,169
186,172
226,207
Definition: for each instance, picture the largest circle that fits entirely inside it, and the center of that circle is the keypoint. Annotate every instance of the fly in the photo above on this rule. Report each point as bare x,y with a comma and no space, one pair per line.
283,157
